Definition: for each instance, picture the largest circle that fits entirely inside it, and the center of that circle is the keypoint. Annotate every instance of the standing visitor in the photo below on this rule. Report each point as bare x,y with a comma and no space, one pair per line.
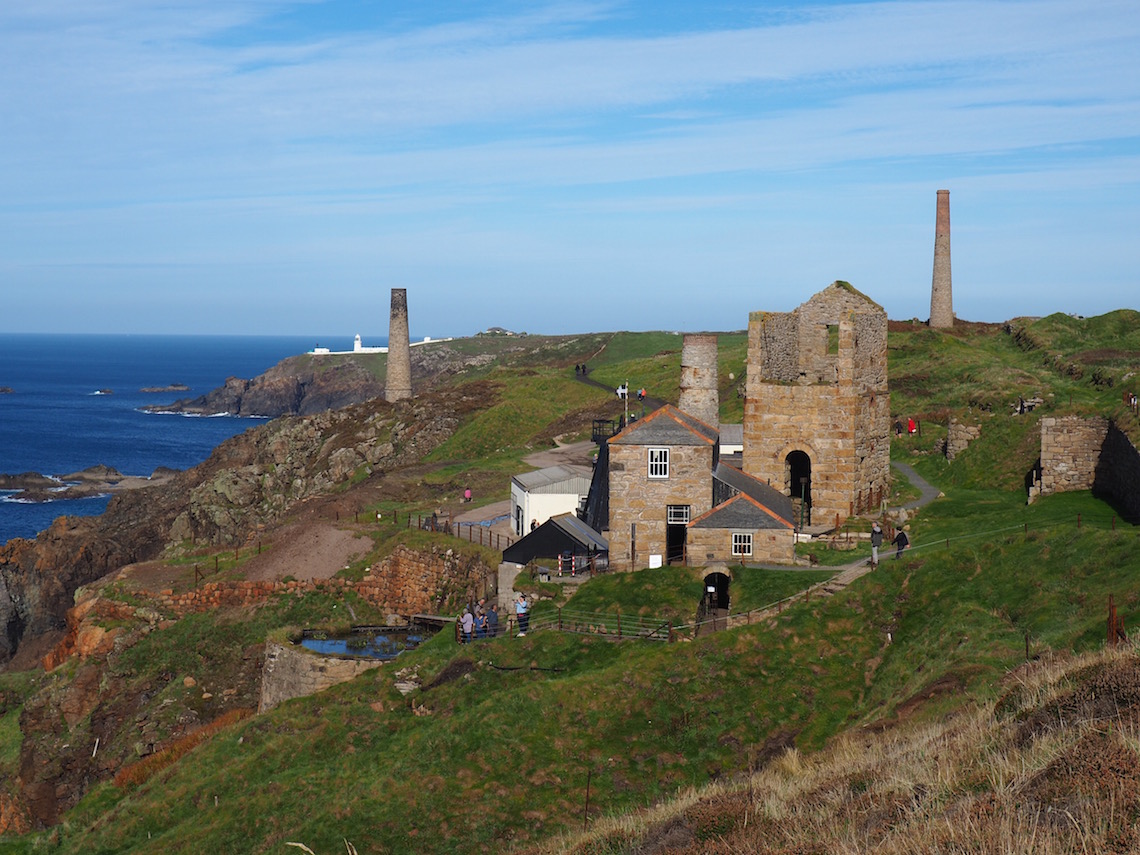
466,623
467,496
902,542
522,612
911,427
876,542
493,620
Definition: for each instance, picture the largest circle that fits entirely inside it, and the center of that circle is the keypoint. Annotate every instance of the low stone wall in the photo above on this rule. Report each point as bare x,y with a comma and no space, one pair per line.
292,672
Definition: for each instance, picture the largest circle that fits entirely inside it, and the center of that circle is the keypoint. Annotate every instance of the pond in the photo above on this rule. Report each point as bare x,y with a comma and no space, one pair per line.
367,642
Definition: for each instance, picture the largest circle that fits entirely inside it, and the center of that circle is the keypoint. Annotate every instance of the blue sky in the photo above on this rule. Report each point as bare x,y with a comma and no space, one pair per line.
272,167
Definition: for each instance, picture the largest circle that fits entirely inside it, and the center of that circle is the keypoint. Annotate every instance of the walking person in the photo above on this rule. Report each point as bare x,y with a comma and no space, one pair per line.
902,542
876,542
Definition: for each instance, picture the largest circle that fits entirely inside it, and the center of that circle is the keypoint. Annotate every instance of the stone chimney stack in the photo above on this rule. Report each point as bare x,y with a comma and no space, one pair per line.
398,383
699,396
941,299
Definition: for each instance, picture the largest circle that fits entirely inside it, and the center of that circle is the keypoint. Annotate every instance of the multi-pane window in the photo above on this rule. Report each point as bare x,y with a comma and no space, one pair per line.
677,514
741,543
658,463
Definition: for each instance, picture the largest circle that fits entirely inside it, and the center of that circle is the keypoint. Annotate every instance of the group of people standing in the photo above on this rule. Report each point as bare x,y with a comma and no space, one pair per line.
482,621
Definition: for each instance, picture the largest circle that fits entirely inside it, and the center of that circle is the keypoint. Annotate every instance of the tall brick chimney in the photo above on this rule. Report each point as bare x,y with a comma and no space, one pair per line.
699,396
398,383
941,299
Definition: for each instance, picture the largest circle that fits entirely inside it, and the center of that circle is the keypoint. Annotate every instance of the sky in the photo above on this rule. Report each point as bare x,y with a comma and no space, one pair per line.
277,167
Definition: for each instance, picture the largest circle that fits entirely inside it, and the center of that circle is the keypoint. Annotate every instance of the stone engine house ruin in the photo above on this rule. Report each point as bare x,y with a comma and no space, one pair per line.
817,409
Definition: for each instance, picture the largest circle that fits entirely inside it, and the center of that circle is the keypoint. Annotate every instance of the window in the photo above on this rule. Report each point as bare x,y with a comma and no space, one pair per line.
741,543
677,514
658,463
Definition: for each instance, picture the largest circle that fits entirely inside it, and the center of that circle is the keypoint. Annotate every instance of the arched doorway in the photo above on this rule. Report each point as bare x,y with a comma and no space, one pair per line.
716,590
797,479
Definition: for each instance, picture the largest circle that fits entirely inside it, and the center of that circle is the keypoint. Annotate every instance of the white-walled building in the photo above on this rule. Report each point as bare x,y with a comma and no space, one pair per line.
537,496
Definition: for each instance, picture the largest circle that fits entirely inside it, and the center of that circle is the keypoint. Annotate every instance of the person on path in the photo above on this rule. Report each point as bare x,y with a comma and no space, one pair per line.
522,612
480,625
466,623
467,496
876,542
911,427
493,620
902,542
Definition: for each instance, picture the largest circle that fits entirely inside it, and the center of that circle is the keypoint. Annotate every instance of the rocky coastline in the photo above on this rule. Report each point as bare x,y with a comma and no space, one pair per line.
94,481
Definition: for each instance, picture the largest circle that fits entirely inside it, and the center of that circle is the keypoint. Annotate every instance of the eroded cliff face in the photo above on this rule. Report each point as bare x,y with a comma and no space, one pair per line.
250,480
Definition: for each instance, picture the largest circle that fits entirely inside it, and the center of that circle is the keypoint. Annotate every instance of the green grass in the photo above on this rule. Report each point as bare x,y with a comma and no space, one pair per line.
500,756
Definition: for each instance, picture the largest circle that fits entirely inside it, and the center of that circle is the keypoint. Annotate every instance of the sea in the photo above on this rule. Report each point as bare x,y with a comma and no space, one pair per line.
76,402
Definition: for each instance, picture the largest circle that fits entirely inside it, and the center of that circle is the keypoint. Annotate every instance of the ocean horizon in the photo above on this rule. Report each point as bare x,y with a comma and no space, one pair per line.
75,403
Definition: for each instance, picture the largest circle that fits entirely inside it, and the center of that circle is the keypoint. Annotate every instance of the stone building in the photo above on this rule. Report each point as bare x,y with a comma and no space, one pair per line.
672,501
817,409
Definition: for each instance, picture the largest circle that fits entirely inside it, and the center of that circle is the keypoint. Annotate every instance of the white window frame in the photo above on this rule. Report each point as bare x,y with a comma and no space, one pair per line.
740,539
658,463
677,514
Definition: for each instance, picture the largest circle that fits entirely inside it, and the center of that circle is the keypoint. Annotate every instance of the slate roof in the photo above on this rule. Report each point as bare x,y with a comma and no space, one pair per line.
769,498
556,535
741,511
667,426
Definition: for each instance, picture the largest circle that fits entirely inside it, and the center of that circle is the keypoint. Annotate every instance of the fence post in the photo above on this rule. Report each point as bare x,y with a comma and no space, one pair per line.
1078,520
619,624
560,618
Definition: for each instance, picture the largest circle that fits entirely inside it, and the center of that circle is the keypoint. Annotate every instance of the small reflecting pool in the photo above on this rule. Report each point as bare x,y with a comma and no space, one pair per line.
367,642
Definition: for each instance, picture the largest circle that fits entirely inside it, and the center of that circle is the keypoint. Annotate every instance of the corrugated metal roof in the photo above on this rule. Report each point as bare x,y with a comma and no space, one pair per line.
581,532
572,479
732,434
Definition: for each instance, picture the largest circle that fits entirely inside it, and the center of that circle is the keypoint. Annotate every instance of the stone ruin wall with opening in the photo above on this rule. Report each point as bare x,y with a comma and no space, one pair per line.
1080,453
832,405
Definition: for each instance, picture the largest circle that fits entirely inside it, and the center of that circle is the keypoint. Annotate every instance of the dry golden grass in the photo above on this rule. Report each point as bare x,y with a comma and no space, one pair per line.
1053,766
138,773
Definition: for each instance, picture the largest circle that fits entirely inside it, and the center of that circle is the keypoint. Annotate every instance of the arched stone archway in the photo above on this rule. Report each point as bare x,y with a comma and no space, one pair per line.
797,484
716,589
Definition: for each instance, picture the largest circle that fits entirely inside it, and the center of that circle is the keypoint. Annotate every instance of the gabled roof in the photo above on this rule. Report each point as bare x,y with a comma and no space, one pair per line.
667,426
555,536
763,495
575,479
741,511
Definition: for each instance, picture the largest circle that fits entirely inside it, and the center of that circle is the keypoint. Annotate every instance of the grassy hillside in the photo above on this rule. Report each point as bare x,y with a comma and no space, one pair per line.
497,748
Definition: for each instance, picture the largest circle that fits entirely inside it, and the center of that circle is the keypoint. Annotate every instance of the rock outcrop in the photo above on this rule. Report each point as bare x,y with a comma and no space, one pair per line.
249,481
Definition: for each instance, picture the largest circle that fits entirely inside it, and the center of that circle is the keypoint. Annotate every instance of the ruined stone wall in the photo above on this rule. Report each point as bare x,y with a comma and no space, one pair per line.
636,499
1090,454
699,396
837,412
707,545
959,437
293,672
1118,474
1070,450
773,348
836,409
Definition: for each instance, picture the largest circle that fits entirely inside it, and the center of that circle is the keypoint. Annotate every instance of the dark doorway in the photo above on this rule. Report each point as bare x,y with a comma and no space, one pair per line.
716,590
797,471
676,532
